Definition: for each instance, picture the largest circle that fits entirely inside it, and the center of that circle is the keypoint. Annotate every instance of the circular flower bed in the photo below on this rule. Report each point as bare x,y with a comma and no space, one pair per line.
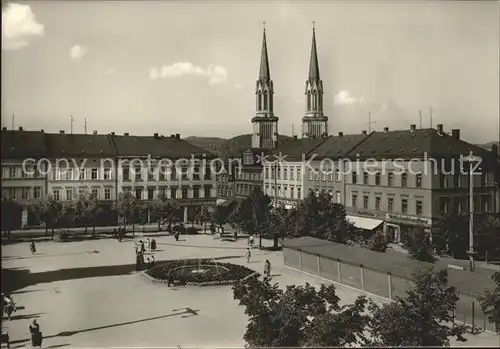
199,272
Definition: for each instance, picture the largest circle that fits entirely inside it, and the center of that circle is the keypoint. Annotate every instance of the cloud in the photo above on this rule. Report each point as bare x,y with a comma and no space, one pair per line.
18,26
238,86
214,73
78,52
345,98
111,71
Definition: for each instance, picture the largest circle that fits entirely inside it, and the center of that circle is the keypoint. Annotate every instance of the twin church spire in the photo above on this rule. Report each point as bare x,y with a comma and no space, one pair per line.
265,123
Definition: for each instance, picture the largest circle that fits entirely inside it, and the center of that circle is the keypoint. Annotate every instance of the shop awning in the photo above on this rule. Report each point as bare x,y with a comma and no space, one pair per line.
225,203
364,223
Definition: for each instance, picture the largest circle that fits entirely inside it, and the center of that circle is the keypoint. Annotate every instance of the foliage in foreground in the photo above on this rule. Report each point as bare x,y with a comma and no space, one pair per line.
419,246
490,301
306,316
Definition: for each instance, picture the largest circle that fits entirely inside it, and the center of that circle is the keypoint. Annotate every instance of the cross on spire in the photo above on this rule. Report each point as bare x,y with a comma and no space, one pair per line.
314,25
264,25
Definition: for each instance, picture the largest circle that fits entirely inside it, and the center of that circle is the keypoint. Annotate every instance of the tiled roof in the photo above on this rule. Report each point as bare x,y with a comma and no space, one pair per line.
166,147
417,143
23,144
338,146
79,145
295,148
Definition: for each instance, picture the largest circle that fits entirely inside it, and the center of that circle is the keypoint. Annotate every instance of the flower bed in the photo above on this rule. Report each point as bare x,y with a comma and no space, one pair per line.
199,272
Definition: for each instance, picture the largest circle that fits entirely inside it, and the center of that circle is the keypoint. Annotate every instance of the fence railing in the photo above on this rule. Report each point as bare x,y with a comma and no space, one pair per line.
380,283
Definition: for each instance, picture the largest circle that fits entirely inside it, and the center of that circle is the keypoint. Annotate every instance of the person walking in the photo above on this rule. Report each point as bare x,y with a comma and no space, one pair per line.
143,249
33,247
152,261
267,269
248,254
36,335
251,241
170,278
9,305
148,244
153,245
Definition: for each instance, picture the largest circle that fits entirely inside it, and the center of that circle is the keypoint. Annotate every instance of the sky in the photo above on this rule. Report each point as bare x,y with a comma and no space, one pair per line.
190,67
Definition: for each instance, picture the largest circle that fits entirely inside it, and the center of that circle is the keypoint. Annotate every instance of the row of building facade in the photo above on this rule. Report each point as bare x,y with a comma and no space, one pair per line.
36,164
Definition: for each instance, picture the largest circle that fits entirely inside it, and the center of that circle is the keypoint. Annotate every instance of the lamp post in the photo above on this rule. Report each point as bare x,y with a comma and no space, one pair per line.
471,159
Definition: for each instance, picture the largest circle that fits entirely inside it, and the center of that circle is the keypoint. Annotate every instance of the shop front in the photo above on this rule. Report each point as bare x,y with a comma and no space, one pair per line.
398,226
288,204
367,220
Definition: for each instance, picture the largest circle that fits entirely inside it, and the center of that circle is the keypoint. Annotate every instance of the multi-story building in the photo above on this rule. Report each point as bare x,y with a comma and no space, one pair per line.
401,180
285,168
225,186
23,171
248,174
104,165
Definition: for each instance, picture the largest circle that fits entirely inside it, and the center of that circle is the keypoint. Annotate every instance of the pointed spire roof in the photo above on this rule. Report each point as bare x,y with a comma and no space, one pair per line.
313,65
264,73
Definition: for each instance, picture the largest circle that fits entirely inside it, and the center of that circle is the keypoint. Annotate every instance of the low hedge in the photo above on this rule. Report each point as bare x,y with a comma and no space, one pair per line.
227,273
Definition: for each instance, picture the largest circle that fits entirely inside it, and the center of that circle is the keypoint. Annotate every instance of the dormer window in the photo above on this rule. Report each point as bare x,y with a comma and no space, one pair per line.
247,160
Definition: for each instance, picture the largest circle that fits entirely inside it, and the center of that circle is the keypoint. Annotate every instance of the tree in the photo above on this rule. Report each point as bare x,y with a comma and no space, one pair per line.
9,213
490,301
318,216
165,209
127,207
419,246
87,210
377,242
220,215
235,217
421,318
298,316
204,215
280,222
50,211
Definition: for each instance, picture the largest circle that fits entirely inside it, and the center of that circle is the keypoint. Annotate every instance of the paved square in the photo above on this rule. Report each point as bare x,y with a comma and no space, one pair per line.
128,310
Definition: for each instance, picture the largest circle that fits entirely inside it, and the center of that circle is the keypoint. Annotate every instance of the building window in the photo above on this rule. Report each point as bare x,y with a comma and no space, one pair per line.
196,192
69,194
337,175
292,192
82,191
354,200
107,194
95,193
94,173
285,174
107,173
173,173
310,175
24,174
377,178
138,176
266,172
196,173
55,174
390,179
56,194
247,160
354,177
173,192
365,201
278,172
25,193
404,205
323,176
151,193
37,193
299,173
138,193
390,204
485,203
365,177
418,180
292,172
126,174
299,192
184,193
337,197
418,207
404,180
208,191
13,172
69,174
184,174
444,205
377,203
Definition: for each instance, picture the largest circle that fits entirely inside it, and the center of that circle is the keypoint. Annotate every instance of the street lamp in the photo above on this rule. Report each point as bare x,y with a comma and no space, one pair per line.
471,159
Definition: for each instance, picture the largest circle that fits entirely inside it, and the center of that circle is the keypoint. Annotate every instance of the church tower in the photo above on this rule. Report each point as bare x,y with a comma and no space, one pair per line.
265,124
314,123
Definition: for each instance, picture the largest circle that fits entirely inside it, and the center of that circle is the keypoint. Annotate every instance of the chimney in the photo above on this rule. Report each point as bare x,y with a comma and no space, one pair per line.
126,134
440,128
177,136
94,133
455,133
112,133
61,132
341,134
413,127
363,132
155,135
20,128
386,129
494,149
4,128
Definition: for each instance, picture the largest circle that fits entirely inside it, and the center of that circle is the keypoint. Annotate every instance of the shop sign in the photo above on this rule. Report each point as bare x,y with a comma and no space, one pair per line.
407,219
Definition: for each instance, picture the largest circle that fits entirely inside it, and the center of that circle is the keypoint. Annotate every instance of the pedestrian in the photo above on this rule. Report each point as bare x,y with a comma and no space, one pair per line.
170,278
33,247
5,338
115,233
148,244
153,245
143,249
136,248
9,305
138,262
176,235
248,254
148,263
235,235
251,241
152,261
267,268
36,335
